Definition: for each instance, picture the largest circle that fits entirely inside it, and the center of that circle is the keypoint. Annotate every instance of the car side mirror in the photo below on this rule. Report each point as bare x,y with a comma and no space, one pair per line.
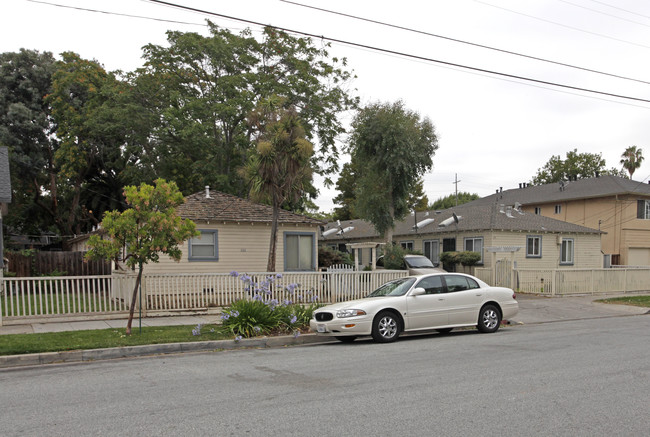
418,291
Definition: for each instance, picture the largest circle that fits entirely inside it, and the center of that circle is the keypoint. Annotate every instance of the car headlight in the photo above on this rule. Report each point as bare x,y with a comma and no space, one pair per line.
349,313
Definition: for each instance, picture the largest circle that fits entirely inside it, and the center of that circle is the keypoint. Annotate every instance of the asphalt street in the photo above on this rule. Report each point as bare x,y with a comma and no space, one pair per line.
587,377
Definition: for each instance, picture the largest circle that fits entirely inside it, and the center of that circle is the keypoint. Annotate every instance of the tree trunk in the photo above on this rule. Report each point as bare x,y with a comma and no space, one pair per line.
270,266
388,233
133,299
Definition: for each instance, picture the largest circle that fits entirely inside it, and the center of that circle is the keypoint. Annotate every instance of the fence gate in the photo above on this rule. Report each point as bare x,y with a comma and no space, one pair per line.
503,273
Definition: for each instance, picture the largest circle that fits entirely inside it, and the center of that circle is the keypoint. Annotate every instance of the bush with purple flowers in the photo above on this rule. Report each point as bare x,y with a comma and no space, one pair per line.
263,314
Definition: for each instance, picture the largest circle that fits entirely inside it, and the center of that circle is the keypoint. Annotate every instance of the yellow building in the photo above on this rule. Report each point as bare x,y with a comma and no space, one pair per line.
619,207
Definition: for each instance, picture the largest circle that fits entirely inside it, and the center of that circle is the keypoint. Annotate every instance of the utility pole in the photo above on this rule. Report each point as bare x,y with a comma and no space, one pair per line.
456,183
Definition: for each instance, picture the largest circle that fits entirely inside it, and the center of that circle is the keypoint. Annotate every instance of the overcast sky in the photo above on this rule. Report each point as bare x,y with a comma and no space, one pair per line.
493,131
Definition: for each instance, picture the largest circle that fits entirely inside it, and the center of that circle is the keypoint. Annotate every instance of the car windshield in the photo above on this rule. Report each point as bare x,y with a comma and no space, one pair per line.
398,287
418,262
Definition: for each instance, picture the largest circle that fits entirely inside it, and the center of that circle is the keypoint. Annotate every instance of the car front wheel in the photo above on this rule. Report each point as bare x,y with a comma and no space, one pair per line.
386,327
489,319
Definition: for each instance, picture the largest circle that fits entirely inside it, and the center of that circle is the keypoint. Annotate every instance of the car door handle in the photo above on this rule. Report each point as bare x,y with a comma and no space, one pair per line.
479,294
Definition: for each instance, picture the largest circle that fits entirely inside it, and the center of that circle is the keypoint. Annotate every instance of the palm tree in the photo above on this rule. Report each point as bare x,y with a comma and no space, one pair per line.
631,159
281,169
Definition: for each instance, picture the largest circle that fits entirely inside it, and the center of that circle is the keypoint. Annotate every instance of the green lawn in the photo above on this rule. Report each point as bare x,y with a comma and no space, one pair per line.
15,344
639,301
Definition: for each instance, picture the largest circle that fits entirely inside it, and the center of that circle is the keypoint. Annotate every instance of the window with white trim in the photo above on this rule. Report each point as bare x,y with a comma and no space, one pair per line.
538,210
534,246
558,209
474,244
299,251
204,247
408,245
566,255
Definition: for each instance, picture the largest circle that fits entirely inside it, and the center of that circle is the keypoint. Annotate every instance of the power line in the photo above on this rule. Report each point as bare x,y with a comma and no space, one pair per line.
116,13
596,11
563,25
403,54
620,9
509,52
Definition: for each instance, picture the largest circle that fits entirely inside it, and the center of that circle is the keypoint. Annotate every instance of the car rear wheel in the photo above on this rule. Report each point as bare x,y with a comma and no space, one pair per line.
489,319
346,338
386,327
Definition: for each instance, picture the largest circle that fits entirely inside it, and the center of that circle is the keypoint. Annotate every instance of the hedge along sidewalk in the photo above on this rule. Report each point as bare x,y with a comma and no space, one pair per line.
7,361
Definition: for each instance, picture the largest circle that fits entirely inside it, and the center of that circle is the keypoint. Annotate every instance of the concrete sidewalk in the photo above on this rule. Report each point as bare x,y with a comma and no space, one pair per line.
532,309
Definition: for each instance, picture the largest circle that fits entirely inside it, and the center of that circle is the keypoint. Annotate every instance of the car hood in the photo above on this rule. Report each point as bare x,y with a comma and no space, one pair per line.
357,303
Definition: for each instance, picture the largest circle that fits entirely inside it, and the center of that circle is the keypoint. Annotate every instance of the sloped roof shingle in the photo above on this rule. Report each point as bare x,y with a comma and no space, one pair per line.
229,208
588,188
474,218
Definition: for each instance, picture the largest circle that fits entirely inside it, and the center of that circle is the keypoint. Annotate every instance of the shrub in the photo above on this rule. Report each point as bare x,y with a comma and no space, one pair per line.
328,257
394,257
263,315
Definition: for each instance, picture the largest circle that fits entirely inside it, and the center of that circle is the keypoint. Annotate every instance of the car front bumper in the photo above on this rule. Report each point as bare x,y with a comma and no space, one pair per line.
342,327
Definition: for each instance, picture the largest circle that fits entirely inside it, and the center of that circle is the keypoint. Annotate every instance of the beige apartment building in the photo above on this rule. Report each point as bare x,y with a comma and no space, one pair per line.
618,207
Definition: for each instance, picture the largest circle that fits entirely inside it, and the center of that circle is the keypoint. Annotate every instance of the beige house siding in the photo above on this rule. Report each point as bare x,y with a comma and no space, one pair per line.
242,247
586,247
616,216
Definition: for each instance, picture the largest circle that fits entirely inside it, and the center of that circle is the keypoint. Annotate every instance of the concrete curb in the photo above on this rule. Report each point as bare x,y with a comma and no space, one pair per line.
7,361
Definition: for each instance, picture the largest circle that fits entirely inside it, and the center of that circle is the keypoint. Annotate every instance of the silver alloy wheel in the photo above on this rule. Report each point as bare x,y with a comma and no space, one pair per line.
387,327
490,318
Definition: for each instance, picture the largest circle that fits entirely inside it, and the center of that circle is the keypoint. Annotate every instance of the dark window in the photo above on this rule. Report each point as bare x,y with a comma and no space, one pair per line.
432,284
538,210
643,209
459,283
408,245
558,209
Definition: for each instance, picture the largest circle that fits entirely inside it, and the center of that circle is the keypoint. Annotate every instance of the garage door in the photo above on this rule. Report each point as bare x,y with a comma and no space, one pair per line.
639,257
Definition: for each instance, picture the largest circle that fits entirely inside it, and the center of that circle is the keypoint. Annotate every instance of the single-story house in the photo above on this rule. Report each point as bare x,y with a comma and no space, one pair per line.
618,206
235,236
530,240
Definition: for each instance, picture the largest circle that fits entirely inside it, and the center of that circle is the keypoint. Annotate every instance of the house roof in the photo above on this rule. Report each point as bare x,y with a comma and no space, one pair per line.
588,188
472,218
225,207
5,179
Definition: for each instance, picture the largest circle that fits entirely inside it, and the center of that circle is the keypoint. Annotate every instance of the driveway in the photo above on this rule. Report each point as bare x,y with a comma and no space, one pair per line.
544,309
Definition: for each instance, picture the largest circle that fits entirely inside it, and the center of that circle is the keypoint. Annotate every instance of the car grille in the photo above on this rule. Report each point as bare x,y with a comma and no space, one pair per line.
324,317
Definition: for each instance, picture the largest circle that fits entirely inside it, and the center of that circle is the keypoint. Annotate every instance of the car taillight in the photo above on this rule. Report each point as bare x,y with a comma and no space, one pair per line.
514,296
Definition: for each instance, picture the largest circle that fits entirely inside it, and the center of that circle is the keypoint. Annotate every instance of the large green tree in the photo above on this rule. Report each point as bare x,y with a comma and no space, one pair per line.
90,137
201,90
393,147
574,166
27,128
148,228
453,200
280,169
631,159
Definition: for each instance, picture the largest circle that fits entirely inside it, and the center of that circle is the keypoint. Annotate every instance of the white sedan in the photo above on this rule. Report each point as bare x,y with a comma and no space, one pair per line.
440,301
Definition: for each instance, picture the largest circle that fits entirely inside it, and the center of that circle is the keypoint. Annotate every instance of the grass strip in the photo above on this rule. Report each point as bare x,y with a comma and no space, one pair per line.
639,301
15,344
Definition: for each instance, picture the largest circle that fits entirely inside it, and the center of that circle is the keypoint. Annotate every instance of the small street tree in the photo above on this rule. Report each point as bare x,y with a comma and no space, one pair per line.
631,159
148,228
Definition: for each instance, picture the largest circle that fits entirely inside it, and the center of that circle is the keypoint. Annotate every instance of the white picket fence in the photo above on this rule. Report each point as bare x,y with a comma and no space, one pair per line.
558,282
93,296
